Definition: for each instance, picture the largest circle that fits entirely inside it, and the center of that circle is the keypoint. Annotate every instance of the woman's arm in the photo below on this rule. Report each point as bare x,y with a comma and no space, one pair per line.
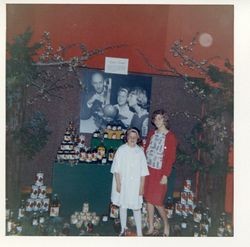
169,156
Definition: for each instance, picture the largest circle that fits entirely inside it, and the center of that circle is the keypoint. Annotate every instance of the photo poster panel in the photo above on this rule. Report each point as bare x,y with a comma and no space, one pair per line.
114,99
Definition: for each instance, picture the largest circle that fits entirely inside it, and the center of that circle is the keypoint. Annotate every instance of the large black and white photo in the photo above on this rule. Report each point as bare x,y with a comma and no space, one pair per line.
118,99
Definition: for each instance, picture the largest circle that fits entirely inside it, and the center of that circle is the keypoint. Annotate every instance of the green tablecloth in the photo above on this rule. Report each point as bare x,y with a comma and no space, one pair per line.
87,183
82,183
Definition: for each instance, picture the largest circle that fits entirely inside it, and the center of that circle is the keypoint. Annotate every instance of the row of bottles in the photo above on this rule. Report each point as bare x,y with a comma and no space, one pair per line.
96,155
74,150
112,131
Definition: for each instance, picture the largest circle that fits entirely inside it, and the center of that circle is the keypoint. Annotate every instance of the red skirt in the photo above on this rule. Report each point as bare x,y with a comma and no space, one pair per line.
154,192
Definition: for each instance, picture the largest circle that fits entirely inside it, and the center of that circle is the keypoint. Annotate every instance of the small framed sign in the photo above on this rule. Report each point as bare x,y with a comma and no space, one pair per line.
115,65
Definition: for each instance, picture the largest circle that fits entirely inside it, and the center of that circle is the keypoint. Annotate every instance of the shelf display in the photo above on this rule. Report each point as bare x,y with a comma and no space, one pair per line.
102,148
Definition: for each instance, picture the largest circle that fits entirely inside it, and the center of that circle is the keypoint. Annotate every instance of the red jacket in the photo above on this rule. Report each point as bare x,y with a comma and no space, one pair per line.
169,155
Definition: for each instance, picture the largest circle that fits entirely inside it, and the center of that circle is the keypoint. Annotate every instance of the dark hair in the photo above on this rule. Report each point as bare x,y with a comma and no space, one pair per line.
163,114
123,89
141,94
135,130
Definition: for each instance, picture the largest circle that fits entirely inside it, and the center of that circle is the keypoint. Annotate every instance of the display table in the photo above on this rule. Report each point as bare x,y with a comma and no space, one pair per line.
82,183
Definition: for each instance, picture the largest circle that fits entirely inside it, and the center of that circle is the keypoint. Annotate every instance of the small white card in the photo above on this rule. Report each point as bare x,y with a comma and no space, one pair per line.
116,65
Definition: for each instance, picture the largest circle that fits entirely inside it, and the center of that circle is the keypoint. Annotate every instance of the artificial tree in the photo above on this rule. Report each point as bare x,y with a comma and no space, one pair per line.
211,137
20,73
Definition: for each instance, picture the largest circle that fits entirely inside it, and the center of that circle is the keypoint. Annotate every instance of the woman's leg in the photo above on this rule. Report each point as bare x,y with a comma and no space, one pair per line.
151,210
137,217
164,217
123,218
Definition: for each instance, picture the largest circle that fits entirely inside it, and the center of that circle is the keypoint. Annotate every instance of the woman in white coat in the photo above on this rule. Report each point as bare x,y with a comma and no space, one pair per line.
129,168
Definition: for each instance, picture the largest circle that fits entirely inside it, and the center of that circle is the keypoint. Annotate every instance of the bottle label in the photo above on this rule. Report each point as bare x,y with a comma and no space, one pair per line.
104,160
178,209
29,204
21,213
114,211
39,179
34,192
169,213
54,211
41,219
111,156
42,192
187,185
7,214
45,204
183,225
35,222
220,231
19,229
85,208
9,226
190,198
197,217
184,197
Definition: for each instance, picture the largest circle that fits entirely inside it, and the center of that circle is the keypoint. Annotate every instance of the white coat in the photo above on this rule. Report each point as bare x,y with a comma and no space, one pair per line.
131,164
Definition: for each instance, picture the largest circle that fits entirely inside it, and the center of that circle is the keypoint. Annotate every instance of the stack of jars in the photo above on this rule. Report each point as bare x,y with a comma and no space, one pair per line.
69,150
38,200
186,205
85,218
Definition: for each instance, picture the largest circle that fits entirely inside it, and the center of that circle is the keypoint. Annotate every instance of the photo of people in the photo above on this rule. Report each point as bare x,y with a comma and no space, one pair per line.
116,99
125,114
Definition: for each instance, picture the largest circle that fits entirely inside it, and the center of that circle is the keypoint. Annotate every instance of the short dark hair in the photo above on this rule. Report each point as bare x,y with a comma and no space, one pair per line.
123,89
165,116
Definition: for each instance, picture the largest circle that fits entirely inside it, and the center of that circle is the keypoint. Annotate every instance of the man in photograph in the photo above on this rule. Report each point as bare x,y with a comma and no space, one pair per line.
93,102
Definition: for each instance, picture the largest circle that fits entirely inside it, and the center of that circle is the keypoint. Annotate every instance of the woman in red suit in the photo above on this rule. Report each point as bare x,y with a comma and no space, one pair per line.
161,154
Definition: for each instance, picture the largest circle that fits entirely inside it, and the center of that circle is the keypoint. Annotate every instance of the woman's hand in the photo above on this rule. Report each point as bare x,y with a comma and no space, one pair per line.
164,180
141,192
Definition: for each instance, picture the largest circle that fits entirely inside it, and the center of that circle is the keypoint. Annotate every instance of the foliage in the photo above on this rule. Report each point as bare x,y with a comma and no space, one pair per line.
34,134
212,131
19,69
31,135
211,136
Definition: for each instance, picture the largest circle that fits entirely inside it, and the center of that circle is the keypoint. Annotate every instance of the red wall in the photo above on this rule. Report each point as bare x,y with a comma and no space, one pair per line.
151,28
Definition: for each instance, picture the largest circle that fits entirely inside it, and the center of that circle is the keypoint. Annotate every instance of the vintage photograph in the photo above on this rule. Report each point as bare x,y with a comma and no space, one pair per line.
143,147
114,99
